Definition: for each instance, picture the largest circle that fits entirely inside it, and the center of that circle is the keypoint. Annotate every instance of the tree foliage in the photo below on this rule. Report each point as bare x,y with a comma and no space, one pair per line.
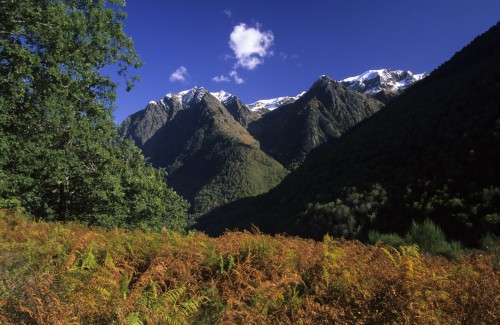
60,154
349,216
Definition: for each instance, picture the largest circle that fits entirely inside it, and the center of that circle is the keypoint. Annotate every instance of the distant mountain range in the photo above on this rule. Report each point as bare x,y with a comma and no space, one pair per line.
370,82
216,149
433,152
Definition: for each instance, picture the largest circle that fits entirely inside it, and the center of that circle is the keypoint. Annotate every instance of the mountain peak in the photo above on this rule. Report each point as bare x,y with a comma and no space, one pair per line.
373,81
323,79
222,96
187,96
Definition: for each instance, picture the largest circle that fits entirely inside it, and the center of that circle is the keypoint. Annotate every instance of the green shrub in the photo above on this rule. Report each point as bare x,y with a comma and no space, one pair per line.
392,239
489,242
431,239
11,203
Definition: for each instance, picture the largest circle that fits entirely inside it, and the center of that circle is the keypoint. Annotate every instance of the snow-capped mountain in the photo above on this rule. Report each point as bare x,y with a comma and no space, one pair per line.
265,105
373,81
185,98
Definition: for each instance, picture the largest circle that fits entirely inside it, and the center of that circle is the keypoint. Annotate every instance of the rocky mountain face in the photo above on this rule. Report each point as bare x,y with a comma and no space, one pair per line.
431,153
241,112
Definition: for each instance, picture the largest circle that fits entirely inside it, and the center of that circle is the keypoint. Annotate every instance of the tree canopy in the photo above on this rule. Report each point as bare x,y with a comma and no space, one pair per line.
60,155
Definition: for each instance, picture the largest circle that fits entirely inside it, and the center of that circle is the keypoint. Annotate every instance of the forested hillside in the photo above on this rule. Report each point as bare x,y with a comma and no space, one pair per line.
217,152
431,153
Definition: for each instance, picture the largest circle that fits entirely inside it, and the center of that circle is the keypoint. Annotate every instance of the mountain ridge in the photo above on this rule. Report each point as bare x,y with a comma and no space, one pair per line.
387,78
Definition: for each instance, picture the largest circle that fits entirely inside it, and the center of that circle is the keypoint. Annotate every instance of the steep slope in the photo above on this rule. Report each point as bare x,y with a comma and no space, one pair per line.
324,112
432,153
210,158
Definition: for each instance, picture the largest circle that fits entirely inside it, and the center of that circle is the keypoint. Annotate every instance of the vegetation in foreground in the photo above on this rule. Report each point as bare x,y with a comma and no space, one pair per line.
69,273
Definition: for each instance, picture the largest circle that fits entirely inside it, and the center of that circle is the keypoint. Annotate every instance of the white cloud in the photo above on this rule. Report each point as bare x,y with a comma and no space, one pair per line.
228,13
236,78
180,74
221,78
250,45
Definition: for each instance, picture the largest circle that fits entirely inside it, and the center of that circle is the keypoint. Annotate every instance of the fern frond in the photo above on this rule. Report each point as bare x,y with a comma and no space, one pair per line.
134,319
386,251
411,250
103,291
172,296
190,307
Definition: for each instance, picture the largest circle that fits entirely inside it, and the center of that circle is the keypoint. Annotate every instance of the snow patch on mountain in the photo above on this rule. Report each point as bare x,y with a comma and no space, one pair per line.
273,103
222,96
373,81
185,97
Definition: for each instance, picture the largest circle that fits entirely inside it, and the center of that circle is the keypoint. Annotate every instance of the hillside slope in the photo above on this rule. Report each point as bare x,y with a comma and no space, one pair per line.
431,153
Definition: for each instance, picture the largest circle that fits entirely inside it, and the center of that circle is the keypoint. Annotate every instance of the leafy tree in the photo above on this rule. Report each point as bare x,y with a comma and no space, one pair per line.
60,154
348,216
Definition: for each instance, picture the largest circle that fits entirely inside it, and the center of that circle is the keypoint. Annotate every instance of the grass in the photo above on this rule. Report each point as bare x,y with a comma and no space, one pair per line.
68,273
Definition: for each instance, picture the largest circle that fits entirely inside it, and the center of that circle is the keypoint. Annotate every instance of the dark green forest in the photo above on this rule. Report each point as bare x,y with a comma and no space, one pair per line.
325,112
433,153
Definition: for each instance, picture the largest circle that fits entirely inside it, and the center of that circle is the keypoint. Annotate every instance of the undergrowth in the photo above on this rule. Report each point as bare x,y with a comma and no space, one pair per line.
53,273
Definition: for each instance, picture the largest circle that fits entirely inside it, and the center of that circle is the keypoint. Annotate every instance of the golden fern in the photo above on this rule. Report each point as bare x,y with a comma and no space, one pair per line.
70,259
398,256
166,307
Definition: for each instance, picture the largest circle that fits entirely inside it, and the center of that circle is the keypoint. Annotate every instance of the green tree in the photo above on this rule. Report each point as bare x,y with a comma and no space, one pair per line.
60,154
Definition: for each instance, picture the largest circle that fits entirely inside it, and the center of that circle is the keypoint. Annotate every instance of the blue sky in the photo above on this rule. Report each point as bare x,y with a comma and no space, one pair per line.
264,49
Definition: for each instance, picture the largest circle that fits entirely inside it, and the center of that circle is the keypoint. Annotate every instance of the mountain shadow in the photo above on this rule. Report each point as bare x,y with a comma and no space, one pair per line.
433,152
